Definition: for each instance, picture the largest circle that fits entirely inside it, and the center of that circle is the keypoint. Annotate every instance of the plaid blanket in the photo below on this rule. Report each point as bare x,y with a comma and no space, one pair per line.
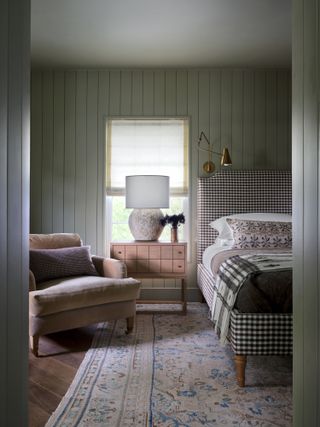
231,276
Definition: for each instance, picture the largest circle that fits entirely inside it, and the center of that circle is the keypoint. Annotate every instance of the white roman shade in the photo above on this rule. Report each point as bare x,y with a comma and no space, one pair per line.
147,147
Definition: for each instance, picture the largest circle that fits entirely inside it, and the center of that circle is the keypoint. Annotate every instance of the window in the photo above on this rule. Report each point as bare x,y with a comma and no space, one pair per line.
145,146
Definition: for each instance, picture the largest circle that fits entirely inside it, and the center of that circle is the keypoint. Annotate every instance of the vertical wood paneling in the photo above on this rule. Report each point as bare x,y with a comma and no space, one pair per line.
282,114
237,119
306,224
171,93
81,154
260,120
193,108
69,153
248,120
47,153
36,155
137,101
271,119
92,160
226,111
159,93
148,93
126,83
215,111
4,326
204,113
311,167
235,108
14,209
115,93
182,92
103,95
58,151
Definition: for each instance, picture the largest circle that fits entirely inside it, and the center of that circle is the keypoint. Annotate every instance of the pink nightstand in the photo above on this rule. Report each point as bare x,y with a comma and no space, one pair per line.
154,260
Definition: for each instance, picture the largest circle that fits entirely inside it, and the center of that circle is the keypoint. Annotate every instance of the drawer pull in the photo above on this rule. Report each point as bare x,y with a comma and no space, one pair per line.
179,266
119,252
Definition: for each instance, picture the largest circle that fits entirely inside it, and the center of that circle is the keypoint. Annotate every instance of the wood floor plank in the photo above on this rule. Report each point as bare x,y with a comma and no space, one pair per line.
51,374
46,399
37,416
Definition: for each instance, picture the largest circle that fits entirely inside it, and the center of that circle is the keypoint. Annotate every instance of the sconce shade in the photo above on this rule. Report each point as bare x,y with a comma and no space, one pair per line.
147,191
225,158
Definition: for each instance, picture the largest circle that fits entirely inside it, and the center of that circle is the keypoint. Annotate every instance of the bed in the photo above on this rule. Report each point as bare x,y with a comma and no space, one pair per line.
233,193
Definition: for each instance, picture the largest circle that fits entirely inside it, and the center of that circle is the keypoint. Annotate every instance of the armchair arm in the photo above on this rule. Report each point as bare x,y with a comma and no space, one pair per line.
32,282
110,267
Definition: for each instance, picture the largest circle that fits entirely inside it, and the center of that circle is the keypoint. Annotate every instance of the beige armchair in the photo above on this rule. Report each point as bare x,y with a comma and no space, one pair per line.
90,289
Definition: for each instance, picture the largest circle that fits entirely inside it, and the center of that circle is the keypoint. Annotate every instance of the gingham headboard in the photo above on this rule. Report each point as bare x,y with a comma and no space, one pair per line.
240,191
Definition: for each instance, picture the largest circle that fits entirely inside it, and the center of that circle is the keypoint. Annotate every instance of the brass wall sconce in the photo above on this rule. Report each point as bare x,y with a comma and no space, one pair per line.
209,166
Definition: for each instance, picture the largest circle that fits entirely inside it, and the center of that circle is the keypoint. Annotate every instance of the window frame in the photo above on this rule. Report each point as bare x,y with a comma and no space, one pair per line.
187,227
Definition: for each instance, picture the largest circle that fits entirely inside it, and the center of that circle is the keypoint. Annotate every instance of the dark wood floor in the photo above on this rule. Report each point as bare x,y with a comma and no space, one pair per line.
51,374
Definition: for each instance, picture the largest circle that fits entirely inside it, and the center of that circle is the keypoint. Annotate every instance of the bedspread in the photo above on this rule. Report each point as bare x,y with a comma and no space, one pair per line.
232,274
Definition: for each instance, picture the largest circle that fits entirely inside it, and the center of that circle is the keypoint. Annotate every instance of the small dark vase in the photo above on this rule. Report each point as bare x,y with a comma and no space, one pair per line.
174,235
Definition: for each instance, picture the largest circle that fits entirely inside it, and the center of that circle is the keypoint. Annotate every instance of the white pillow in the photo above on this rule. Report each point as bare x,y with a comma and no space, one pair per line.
225,231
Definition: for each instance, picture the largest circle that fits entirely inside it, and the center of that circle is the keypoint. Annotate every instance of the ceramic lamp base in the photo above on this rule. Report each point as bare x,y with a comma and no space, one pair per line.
145,224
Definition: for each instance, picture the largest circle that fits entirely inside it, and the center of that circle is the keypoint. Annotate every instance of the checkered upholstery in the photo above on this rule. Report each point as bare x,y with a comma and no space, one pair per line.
252,333
205,283
230,192
261,333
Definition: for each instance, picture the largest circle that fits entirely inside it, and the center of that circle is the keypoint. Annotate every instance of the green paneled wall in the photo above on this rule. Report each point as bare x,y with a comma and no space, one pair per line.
247,110
306,212
14,210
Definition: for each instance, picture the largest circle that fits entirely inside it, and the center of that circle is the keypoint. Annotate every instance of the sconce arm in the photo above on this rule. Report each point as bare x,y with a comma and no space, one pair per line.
203,135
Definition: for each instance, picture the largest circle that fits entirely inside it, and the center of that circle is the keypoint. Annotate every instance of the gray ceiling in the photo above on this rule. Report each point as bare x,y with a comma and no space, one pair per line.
160,33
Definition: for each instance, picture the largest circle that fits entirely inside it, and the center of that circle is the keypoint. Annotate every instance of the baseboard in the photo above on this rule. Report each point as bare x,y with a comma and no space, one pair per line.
193,295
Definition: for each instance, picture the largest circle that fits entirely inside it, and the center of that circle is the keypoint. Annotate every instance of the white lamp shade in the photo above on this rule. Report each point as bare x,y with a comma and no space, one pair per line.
147,191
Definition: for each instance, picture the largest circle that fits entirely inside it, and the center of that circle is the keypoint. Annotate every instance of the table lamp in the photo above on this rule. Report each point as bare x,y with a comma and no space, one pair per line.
146,194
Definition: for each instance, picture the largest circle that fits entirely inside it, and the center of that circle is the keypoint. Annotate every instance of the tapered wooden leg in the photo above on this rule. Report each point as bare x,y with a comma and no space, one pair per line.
130,324
34,343
241,362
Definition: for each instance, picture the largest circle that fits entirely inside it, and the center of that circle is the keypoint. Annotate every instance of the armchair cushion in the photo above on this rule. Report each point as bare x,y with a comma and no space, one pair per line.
110,267
47,264
54,241
76,292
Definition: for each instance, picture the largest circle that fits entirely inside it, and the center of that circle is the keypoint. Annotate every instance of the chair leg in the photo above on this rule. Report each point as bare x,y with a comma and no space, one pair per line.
34,344
241,362
130,324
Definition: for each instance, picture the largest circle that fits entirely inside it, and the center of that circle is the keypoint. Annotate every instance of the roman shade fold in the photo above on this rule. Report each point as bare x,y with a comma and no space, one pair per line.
144,147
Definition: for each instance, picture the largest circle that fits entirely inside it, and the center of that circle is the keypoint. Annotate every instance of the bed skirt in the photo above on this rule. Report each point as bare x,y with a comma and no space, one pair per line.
252,333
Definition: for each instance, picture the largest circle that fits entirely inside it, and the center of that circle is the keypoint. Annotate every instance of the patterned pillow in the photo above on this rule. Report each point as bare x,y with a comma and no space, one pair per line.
47,264
261,234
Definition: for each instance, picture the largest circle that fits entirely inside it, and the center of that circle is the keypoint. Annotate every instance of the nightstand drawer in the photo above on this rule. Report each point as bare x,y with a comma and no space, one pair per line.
166,252
142,266
131,265
166,266
143,252
154,266
130,252
178,252
178,266
118,252
154,252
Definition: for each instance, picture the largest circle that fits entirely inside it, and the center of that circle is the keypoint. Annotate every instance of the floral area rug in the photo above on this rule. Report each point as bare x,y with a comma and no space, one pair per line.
172,372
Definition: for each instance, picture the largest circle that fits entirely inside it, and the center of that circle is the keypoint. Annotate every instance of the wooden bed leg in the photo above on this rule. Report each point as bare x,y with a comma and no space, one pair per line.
241,362
130,324
34,344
